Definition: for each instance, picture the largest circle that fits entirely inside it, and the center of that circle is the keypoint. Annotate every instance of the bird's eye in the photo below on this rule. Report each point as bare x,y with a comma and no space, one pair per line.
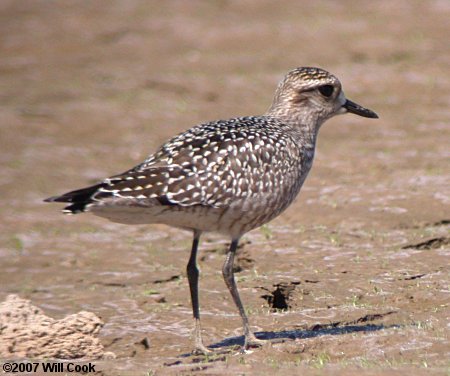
326,90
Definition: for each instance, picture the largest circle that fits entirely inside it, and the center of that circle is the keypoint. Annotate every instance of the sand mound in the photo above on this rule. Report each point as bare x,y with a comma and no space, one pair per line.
25,331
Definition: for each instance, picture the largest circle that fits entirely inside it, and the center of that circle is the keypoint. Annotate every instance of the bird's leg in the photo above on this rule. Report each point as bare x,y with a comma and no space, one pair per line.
228,275
192,273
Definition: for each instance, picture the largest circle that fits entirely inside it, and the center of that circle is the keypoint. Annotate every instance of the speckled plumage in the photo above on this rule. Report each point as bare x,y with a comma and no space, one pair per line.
223,169
228,176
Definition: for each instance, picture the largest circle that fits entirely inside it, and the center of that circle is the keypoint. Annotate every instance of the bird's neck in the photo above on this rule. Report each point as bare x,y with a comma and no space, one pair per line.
303,125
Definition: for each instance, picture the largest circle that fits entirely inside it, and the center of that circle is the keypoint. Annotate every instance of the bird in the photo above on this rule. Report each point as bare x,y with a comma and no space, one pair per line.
225,176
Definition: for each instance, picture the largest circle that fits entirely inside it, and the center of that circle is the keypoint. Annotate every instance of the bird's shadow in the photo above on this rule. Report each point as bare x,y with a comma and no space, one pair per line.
334,328
300,334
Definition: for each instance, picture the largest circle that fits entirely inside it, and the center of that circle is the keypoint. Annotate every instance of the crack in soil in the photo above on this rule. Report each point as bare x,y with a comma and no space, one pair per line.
412,277
278,298
165,280
433,243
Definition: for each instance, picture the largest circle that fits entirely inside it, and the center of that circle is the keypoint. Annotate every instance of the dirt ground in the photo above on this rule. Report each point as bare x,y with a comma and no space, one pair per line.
355,273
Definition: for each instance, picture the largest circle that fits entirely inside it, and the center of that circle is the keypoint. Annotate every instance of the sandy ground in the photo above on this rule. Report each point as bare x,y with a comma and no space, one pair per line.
360,260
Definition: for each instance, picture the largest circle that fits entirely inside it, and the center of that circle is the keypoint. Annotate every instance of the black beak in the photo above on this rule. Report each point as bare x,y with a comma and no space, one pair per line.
355,108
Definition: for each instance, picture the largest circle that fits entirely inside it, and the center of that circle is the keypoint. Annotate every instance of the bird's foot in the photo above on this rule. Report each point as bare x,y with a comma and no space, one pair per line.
201,349
251,341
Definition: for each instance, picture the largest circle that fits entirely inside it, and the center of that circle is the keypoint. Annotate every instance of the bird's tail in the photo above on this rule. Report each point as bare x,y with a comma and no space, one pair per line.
79,198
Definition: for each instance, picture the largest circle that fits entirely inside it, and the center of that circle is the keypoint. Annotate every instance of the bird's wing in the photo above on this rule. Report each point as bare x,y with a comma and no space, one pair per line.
211,165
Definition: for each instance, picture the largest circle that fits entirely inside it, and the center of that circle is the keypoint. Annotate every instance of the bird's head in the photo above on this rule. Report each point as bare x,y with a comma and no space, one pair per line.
313,95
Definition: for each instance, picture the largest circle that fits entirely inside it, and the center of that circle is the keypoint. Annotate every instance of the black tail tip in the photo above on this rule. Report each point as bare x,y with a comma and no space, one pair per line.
51,199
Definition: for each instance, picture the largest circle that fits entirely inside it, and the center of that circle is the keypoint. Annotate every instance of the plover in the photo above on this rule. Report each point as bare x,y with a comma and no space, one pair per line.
226,176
